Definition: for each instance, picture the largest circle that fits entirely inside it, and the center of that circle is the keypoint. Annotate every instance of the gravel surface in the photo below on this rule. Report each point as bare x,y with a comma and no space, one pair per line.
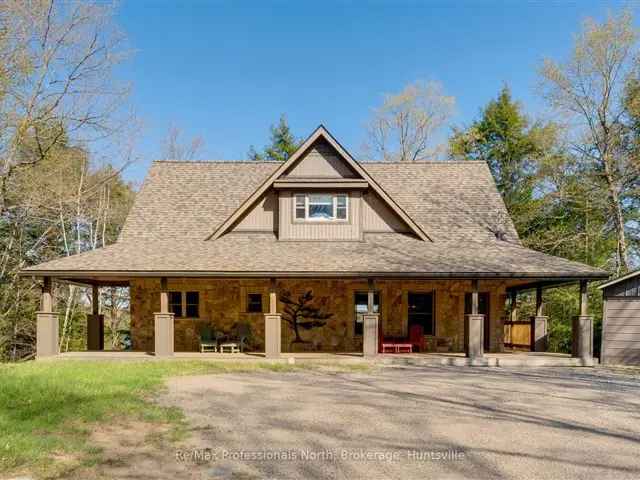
412,422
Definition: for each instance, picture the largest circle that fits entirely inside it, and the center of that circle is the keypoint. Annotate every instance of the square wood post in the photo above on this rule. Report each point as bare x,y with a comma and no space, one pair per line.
370,325
95,323
47,323
163,324
474,326
582,328
272,325
539,325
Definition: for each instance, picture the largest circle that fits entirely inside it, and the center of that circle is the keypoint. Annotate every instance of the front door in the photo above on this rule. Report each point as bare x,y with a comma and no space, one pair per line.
420,312
483,309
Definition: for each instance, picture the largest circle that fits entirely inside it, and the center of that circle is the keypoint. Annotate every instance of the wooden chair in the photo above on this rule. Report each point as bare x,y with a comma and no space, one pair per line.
208,342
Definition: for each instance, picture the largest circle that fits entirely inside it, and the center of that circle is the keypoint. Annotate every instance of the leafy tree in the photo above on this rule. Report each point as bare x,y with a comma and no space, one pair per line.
283,144
300,313
595,90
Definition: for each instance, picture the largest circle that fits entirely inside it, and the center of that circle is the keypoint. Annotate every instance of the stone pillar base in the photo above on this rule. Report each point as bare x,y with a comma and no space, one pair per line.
272,335
95,332
163,334
370,334
474,336
47,334
582,337
539,334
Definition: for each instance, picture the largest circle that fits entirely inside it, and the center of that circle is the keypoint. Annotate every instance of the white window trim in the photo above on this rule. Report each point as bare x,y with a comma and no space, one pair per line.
333,219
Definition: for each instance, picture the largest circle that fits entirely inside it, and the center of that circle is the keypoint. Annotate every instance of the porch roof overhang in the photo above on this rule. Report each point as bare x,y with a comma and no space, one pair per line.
263,255
121,277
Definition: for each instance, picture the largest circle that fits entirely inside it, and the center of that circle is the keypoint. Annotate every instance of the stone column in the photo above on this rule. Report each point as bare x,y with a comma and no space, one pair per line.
47,323
95,323
272,325
539,325
163,324
370,325
582,328
474,326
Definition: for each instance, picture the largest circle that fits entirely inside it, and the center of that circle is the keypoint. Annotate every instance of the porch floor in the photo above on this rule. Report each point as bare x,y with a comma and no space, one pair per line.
506,359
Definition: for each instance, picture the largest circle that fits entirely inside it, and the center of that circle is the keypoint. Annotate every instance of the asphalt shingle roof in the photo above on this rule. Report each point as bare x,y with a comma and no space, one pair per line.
182,203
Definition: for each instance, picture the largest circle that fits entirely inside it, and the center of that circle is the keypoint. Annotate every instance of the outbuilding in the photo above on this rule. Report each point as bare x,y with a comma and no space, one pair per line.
621,320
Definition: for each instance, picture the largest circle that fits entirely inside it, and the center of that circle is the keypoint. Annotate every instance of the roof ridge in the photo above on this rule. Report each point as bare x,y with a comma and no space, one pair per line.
361,162
234,162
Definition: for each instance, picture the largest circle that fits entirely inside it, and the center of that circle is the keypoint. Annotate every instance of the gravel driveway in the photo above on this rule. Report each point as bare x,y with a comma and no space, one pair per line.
413,422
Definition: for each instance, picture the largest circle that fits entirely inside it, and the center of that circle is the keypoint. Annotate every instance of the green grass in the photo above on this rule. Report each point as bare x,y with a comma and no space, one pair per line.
50,407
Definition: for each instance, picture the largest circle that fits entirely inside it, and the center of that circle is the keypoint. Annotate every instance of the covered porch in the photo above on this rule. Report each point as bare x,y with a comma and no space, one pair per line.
461,320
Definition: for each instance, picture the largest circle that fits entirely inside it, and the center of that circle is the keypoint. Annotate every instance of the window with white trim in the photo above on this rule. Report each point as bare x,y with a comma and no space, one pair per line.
321,207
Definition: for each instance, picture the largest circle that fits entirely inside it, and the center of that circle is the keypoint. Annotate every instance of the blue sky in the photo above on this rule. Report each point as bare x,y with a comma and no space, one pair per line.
226,70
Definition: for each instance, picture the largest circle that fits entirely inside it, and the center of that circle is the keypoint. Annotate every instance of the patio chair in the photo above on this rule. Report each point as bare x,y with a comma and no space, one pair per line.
208,340
243,335
416,337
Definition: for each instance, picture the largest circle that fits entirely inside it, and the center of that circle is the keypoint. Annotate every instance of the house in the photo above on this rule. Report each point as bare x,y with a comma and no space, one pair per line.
621,320
385,248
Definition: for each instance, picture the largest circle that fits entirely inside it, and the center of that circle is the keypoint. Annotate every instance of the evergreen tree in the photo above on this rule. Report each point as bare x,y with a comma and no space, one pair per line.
283,143
504,139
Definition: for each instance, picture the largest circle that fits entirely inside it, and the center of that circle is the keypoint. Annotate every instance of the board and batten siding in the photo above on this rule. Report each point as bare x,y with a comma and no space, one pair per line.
262,217
290,229
320,162
378,217
621,324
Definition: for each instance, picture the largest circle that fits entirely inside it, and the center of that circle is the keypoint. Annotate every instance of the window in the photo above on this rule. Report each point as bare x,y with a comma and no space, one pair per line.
254,303
184,304
175,303
321,207
301,208
192,303
421,308
361,301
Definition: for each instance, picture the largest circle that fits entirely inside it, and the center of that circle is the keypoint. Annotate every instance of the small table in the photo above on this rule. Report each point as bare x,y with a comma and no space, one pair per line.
230,347
388,347
404,348
397,348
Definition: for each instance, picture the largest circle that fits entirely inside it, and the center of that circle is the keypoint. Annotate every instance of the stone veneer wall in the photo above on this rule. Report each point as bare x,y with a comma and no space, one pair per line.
223,304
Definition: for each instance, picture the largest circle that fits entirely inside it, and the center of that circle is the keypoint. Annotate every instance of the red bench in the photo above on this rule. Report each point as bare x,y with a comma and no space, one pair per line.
397,348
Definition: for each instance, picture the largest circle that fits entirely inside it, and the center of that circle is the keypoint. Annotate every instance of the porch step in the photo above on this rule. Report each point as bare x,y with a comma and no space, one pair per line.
487,361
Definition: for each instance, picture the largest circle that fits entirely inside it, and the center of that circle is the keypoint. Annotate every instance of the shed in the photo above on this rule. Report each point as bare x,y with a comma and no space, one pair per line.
621,320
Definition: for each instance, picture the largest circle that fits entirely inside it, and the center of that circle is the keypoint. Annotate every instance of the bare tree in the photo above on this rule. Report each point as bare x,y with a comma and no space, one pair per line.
56,82
404,128
588,89
174,149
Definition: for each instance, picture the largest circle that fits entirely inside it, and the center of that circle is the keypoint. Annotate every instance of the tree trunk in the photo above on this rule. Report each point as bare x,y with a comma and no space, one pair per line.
622,254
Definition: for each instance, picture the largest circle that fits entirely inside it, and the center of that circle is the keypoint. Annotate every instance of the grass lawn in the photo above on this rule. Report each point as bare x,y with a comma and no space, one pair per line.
49,408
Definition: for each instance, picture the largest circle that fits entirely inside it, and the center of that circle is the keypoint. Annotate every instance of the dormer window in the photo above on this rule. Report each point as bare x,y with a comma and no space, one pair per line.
321,207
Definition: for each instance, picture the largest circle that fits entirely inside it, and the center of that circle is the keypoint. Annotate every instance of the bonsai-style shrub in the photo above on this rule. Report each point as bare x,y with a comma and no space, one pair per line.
301,314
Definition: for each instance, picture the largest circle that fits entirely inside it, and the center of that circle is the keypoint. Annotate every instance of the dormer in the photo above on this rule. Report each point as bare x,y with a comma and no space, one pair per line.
321,193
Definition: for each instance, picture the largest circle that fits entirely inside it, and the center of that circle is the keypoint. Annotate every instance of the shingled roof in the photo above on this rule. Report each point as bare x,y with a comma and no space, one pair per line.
182,203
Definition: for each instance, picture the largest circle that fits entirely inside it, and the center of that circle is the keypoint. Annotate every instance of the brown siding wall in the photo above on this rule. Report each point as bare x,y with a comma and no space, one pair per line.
621,331
377,217
289,229
262,217
223,304
321,161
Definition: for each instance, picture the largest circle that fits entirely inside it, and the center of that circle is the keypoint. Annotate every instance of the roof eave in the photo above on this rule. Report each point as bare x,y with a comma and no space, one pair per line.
305,274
